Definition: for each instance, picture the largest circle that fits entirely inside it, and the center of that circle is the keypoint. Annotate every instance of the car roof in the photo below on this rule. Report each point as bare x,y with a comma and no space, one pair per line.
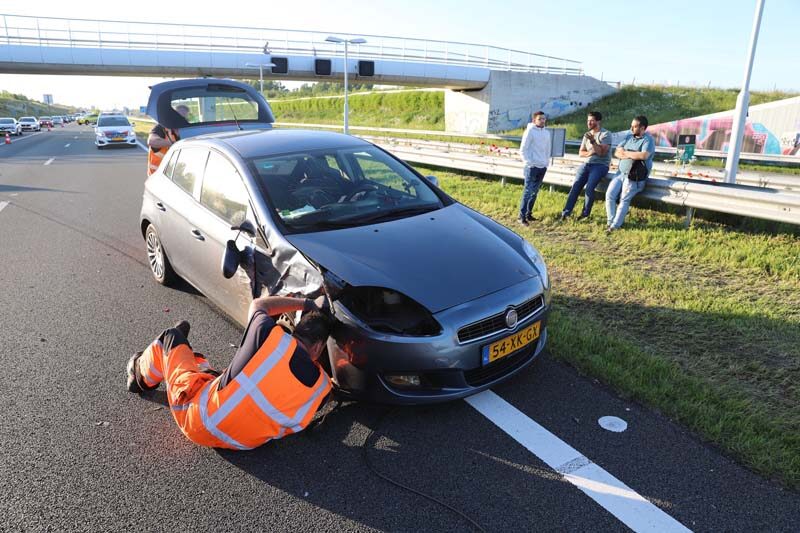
265,143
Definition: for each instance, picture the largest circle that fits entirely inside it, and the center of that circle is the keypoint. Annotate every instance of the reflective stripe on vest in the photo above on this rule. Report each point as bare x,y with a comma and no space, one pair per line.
248,387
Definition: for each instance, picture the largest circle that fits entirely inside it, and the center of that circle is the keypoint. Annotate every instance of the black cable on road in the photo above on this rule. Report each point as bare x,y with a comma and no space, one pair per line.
366,446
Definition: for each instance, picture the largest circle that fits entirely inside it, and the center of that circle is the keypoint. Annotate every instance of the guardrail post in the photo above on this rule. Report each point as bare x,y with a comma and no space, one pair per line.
689,216
502,181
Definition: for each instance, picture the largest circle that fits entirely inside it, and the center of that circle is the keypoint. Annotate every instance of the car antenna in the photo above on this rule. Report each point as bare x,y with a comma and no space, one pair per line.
236,120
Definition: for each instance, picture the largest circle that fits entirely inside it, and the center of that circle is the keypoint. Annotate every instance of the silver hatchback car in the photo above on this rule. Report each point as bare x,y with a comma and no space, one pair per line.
433,301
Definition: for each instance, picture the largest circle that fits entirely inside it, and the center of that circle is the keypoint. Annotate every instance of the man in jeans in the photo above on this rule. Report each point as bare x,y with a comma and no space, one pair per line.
535,152
596,146
638,145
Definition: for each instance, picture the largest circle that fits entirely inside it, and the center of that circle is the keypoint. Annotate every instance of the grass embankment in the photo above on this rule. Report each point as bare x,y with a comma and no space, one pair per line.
422,110
16,105
702,324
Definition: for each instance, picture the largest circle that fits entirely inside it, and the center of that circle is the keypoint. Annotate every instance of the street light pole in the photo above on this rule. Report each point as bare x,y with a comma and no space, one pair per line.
742,103
260,72
333,39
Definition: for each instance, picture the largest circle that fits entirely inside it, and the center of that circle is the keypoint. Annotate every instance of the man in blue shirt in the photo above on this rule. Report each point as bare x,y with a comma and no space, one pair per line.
637,146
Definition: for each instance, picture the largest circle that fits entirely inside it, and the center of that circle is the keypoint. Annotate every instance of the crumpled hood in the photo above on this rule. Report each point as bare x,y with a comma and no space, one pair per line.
440,259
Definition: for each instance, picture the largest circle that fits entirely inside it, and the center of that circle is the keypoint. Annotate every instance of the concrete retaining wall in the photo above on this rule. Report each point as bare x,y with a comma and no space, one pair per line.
509,98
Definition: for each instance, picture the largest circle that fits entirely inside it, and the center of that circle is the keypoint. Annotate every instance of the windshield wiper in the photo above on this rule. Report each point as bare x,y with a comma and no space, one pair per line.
394,213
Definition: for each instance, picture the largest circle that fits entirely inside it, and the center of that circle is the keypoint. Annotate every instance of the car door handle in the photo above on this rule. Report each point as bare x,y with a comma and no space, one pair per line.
160,206
197,235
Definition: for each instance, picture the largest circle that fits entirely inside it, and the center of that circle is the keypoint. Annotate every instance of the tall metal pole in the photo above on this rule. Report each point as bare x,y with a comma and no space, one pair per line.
742,103
261,78
346,109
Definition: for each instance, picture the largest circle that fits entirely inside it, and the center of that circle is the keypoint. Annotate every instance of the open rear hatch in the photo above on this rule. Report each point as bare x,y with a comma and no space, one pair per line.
208,105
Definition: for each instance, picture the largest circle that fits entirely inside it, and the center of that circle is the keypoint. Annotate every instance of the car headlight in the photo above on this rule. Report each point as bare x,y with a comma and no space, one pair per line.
538,262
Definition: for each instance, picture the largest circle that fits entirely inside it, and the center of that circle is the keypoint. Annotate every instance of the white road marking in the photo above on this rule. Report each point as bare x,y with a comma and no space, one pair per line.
49,161
75,137
613,495
66,145
143,147
25,136
3,205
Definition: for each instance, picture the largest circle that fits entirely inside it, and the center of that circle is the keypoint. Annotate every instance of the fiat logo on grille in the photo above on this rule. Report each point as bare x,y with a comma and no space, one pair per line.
511,318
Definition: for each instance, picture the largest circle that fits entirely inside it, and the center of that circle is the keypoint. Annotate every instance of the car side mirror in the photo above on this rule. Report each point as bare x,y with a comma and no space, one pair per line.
247,227
433,179
230,259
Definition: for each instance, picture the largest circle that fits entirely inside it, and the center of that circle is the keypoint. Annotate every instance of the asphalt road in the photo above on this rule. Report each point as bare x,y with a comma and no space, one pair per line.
81,453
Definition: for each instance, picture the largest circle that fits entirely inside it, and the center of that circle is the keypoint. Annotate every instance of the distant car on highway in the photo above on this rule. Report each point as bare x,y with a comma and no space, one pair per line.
114,130
58,121
30,124
89,120
46,121
433,301
10,125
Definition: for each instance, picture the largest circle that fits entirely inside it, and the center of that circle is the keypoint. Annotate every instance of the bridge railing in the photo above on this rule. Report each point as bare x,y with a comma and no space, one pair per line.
107,34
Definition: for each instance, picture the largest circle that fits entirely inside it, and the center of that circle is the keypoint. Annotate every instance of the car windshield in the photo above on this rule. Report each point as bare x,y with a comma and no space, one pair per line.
112,121
339,188
6,120
27,119
45,118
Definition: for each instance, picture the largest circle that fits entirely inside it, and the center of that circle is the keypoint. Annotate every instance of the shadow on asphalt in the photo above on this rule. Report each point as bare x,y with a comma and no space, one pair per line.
23,188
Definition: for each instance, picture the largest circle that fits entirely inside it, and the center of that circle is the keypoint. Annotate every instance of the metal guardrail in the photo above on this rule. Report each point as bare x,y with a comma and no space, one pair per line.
758,199
744,200
764,158
63,32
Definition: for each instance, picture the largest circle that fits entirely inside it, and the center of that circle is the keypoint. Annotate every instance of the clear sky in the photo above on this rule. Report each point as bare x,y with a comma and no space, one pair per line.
690,42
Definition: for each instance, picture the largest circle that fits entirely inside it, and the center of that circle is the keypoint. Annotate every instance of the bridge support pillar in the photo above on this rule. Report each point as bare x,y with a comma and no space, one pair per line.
507,101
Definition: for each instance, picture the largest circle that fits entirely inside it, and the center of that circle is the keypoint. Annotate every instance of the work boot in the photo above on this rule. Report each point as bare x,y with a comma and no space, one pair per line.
184,327
130,370
563,217
522,221
530,218
583,216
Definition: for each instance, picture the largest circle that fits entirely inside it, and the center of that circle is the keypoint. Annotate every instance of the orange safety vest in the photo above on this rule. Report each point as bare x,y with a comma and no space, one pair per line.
264,401
154,157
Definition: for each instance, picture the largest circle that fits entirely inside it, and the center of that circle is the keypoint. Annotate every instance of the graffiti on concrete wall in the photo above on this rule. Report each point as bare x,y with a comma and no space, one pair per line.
715,134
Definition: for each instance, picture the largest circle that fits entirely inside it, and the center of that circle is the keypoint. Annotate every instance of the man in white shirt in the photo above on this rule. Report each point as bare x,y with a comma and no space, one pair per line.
535,152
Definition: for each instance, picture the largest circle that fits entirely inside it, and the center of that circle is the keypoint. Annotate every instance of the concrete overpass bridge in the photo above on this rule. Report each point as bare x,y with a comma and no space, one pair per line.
490,88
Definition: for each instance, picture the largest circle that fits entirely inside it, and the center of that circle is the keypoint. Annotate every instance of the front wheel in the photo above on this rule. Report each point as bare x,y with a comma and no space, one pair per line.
157,259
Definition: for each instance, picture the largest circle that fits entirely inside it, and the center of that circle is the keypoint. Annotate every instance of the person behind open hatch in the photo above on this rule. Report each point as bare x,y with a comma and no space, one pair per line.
272,388
160,139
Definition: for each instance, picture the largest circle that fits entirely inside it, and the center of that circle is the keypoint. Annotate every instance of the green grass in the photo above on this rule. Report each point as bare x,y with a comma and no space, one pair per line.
15,105
408,110
702,325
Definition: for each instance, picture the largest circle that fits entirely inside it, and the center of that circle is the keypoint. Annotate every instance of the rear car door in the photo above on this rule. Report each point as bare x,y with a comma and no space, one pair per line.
224,202
181,240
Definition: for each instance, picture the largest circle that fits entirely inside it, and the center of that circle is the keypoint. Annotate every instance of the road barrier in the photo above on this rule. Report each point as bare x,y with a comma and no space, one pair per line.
745,200
766,197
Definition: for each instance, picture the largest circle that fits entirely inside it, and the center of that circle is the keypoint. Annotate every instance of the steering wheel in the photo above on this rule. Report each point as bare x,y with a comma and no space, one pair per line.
363,189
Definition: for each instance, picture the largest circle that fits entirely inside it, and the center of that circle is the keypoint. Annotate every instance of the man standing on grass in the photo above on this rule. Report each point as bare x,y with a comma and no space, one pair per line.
636,161
535,152
596,147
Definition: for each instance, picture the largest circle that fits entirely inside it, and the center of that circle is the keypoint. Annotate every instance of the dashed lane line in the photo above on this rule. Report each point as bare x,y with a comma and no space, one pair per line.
612,494
3,205
139,143
49,161
26,137
66,145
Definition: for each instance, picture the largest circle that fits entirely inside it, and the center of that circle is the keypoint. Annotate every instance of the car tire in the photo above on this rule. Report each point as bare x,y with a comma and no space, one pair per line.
157,258
99,147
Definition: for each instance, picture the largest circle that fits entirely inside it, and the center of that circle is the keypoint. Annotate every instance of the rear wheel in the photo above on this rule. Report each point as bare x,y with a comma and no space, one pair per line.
157,259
